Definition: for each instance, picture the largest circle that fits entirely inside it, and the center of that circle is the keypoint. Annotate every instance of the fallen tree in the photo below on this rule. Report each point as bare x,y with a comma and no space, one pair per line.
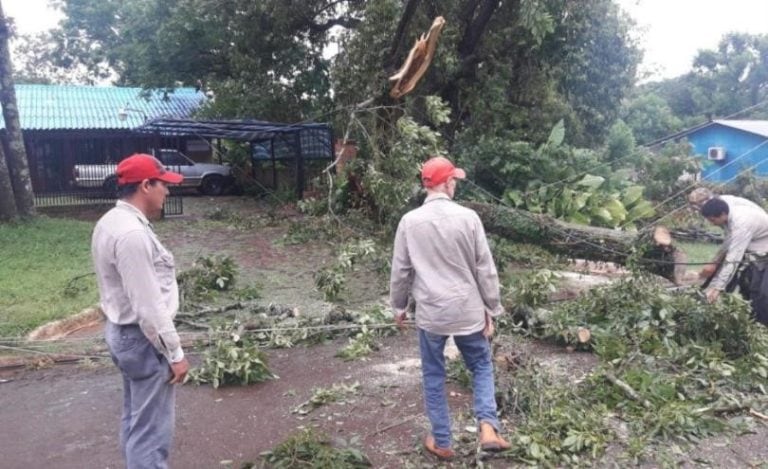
652,250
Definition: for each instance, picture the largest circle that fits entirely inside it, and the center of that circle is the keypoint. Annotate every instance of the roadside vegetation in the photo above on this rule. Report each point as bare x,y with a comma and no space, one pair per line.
537,100
45,272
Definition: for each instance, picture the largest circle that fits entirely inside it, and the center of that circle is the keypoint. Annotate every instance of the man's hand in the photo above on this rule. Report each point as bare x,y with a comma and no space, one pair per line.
708,270
179,370
489,327
712,294
400,319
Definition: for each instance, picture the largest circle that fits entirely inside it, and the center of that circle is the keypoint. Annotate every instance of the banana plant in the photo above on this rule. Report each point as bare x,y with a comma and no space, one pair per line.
590,200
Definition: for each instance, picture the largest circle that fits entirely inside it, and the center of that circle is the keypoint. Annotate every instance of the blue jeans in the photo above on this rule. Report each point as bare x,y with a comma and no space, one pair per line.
147,422
476,352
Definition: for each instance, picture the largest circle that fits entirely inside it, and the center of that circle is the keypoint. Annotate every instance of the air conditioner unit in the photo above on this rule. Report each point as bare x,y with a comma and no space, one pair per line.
716,153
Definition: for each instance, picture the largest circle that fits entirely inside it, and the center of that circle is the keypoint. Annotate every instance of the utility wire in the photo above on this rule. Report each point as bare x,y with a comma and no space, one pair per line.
695,183
662,140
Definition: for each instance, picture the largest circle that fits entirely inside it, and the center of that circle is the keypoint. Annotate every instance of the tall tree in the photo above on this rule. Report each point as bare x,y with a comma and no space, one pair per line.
15,153
261,59
516,67
731,80
7,201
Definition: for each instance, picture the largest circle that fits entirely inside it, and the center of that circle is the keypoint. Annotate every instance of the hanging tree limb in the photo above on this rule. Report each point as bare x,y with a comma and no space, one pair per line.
418,61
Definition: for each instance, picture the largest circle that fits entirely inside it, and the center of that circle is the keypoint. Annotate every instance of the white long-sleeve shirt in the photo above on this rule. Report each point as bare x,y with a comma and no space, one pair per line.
441,256
732,201
747,232
136,277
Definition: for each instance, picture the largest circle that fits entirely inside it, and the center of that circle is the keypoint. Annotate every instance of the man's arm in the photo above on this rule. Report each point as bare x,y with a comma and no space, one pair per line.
486,275
135,264
708,271
738,240
401,275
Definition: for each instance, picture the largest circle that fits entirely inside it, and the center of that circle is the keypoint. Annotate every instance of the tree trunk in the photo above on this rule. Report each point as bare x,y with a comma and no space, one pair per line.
659,256
16,154
399,40
476,15
7,201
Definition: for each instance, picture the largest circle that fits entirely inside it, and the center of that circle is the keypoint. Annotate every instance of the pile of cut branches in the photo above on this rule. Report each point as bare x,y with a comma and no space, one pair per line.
672,369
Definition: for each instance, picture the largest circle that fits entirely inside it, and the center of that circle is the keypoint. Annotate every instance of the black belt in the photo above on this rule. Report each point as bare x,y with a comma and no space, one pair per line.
126,326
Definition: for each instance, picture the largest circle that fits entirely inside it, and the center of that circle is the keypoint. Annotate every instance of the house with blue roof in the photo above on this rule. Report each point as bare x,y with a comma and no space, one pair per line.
728,148
64,125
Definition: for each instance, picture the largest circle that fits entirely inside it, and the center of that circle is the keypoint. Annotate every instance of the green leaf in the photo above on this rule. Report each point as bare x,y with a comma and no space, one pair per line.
514,197
570,441
631,195
603,215
591,181
557,134
535,450
580,200
579,218
616,209
644,209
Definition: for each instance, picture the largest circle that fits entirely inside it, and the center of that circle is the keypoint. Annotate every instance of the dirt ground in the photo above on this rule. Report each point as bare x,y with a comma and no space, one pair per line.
67,416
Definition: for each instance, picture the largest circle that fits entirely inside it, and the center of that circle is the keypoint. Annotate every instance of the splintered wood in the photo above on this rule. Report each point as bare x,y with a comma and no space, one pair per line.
417,63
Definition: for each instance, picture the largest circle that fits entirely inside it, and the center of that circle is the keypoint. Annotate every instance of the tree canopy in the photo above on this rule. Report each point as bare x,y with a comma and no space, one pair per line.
729,81
515,67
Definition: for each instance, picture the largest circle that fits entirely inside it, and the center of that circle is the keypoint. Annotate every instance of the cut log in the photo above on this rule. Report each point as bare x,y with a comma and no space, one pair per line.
584,335
652,250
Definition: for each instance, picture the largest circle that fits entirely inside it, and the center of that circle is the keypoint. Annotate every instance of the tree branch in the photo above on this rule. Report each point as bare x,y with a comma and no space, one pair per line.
477,15
347,22
398,40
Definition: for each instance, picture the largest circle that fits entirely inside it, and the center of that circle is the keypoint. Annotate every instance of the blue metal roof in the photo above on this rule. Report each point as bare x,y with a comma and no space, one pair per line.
757,127
72,107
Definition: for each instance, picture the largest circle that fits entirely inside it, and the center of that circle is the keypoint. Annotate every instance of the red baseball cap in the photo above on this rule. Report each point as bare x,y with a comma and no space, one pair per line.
437,170
140,166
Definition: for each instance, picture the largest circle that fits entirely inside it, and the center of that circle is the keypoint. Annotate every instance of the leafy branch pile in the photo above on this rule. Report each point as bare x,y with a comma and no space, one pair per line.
331,280
280,326
285,332
309,449
209,274
324,396
671,369
231,218
232,360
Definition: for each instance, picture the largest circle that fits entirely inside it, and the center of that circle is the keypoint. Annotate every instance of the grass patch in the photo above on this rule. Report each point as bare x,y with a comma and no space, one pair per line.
698,252
44,272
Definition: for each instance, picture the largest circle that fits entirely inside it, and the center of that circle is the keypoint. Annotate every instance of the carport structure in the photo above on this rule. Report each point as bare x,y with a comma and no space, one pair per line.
290,146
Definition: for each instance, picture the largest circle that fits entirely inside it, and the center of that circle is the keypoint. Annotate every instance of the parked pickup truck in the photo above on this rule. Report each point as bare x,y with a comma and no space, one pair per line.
210,179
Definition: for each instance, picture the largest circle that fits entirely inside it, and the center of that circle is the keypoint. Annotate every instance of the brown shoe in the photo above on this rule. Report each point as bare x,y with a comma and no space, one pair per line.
490,439
442,453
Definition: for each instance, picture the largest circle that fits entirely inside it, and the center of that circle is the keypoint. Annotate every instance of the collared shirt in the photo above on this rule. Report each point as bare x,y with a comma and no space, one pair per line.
732,201
136,277
747,232
441,256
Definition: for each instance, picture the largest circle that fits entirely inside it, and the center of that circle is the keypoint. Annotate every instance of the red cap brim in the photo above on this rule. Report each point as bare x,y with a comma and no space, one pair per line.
170,177
459,173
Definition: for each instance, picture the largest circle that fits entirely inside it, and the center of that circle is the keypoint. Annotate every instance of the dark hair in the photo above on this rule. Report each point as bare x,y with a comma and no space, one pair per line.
127,190
714,208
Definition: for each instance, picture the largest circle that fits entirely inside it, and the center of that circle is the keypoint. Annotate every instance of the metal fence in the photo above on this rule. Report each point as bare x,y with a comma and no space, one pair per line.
74,200
89,188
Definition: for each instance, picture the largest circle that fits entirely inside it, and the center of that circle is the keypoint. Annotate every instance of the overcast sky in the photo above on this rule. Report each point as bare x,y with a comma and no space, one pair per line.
31,16
670,31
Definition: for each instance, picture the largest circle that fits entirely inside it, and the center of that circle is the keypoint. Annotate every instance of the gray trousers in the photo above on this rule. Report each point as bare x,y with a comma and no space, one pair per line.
148,417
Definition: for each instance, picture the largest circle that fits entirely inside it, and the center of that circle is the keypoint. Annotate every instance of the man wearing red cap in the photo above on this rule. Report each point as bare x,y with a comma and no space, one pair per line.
441,257
140,297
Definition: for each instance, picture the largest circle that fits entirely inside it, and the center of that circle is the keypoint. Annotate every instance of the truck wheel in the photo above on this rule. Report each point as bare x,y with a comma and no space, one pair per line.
110,187
212,185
